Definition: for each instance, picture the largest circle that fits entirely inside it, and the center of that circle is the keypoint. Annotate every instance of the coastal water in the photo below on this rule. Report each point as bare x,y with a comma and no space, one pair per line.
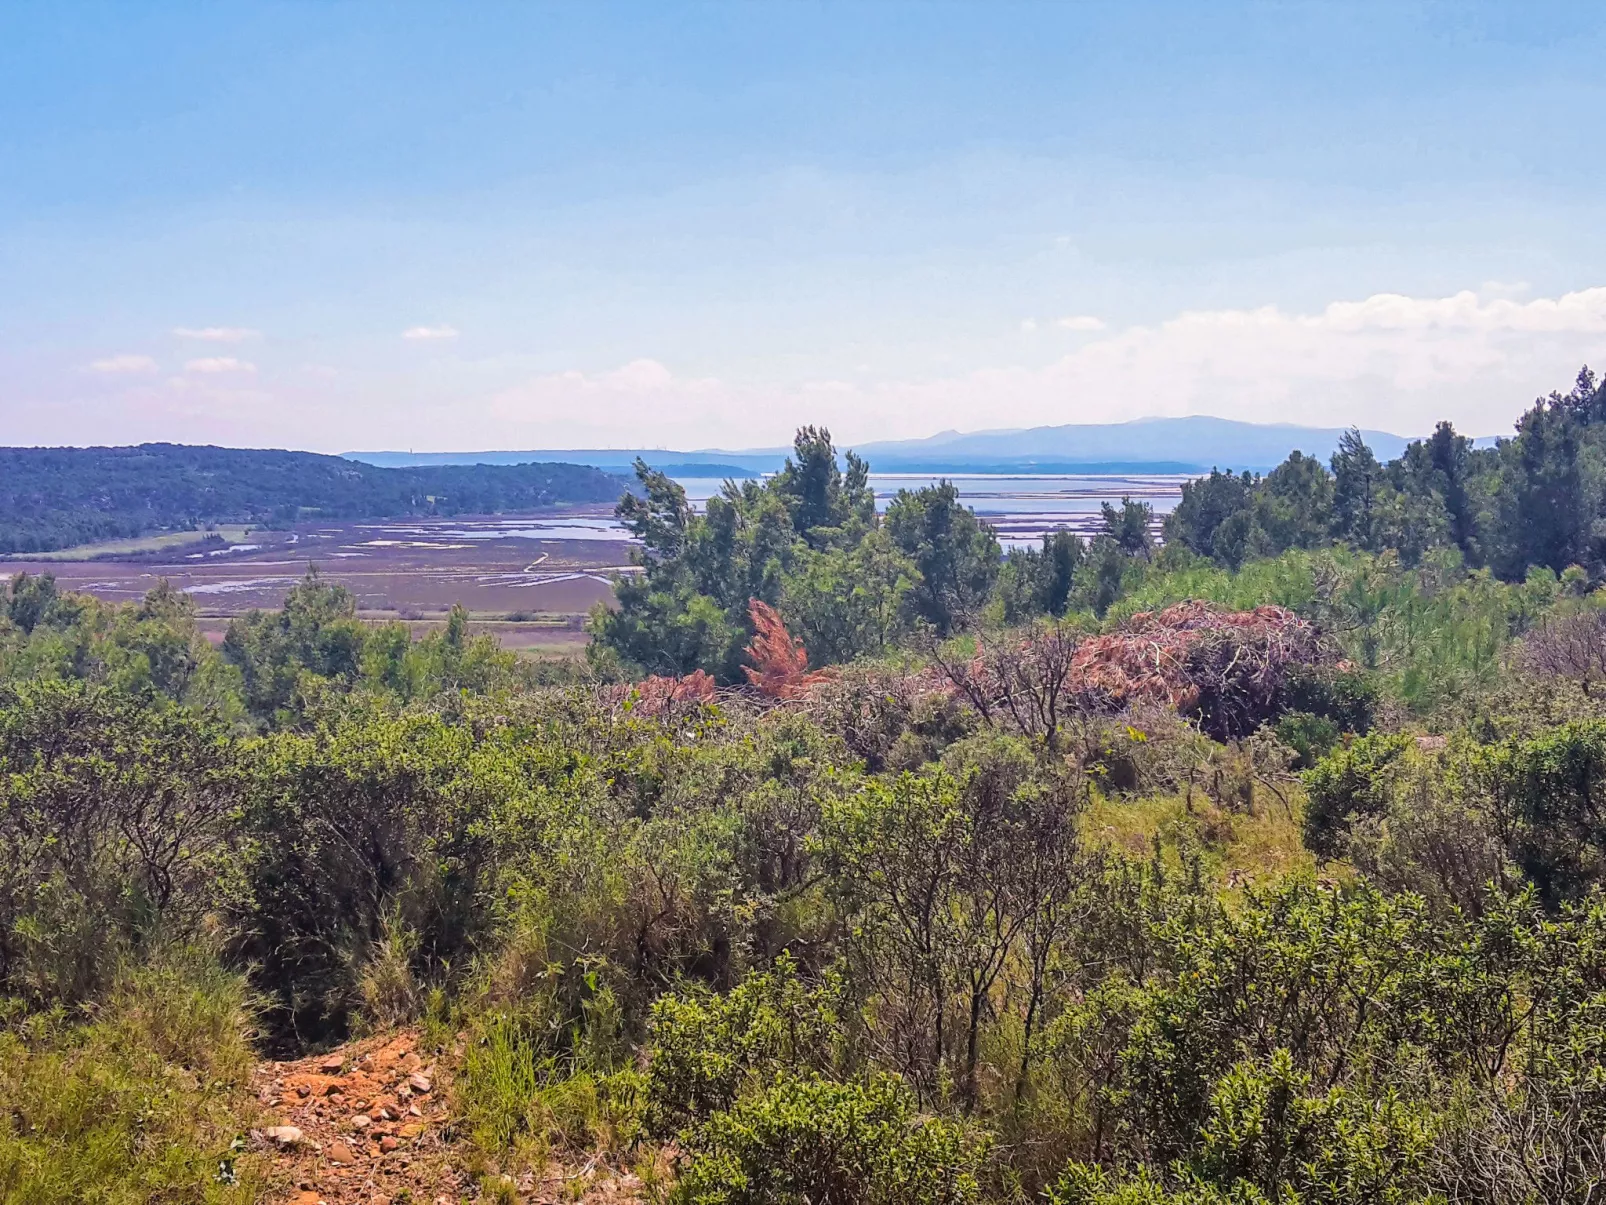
1020,508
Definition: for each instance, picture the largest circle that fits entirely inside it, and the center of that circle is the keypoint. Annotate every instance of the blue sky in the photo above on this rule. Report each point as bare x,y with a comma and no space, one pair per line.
441,226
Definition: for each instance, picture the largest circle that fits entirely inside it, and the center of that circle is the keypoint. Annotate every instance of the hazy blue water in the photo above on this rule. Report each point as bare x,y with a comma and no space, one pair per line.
1021,508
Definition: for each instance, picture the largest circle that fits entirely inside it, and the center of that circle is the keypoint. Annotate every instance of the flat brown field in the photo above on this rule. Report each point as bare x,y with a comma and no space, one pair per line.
530,580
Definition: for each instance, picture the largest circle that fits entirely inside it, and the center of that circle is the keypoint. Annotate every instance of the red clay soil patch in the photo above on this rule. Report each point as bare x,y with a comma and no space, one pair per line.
370,1124
373,1123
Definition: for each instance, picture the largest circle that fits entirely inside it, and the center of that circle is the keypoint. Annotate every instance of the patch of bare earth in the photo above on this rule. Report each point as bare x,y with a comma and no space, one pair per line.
370,1124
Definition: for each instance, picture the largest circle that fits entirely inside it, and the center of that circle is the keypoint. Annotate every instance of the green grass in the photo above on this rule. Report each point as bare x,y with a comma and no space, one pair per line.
151,543
1233,846
144,1101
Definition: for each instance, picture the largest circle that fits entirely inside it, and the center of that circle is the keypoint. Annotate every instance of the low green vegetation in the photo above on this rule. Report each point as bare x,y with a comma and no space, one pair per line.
140,1100
1107,874
172,541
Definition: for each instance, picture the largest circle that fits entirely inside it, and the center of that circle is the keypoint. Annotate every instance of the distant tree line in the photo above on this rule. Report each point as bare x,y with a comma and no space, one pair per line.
54,498
1535,500
851,583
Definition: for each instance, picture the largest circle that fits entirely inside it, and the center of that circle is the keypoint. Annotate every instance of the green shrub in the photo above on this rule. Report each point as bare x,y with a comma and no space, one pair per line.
1550,791
1346,697
114,818
1352,781
826,1143
370,825
1312,737
1268,1128
706,1048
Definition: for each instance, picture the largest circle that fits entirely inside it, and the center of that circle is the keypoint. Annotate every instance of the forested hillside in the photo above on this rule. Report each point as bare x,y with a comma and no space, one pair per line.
54,498
1267,867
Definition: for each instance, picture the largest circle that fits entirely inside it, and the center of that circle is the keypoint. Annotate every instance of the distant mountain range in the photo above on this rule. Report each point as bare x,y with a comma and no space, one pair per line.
1194,444
1150,445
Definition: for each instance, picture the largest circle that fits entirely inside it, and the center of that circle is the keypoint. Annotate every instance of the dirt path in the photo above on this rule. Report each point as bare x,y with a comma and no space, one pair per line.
370,1124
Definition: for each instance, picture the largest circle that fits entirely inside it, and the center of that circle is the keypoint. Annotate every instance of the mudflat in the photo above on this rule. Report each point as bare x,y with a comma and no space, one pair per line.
531,579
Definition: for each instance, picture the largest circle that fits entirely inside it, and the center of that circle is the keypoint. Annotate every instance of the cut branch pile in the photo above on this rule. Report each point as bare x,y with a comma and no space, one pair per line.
1227,668
659,696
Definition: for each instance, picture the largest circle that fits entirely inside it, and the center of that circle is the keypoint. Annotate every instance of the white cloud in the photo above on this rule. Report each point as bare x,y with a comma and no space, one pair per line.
1081,322
430,332
216,334
216,364
124,365
1028,325
1388,361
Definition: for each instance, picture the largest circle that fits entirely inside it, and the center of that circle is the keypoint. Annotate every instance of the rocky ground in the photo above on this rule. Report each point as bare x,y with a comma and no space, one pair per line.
371,1124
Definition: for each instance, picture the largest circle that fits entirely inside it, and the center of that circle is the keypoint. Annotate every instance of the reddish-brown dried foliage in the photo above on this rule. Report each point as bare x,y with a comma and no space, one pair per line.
780,662
659,696
1227,669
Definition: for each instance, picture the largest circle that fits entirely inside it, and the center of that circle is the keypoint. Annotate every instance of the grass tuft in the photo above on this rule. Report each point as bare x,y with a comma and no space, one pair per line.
144,1101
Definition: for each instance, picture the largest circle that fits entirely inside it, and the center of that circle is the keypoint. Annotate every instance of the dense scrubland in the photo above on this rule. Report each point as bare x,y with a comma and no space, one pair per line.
858,862
53,498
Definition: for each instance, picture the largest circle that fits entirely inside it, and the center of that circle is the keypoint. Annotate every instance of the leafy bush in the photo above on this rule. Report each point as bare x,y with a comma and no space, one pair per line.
819,1141
1311,737
1349,782
707,1048
1547,793
113,821
372,820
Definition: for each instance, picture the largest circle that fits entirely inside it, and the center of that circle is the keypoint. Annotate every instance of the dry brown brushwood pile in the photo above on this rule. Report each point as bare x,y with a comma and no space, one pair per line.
659,696
1226,668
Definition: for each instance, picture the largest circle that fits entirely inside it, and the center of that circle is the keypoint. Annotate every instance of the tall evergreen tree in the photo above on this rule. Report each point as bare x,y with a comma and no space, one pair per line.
1552,512
1356,477
1449,454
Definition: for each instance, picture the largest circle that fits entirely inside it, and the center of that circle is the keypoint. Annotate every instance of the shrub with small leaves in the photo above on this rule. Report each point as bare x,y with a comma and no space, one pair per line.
829,1143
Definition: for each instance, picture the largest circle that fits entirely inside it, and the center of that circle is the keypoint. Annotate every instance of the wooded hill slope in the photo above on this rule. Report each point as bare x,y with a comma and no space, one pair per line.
54,498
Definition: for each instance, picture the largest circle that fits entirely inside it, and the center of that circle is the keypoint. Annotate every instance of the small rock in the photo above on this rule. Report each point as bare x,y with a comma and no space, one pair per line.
282,1135
418,1082
386,1115
339,1152
388,1144
361,1122
415,1110
303,1091
332,1090
332,1064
